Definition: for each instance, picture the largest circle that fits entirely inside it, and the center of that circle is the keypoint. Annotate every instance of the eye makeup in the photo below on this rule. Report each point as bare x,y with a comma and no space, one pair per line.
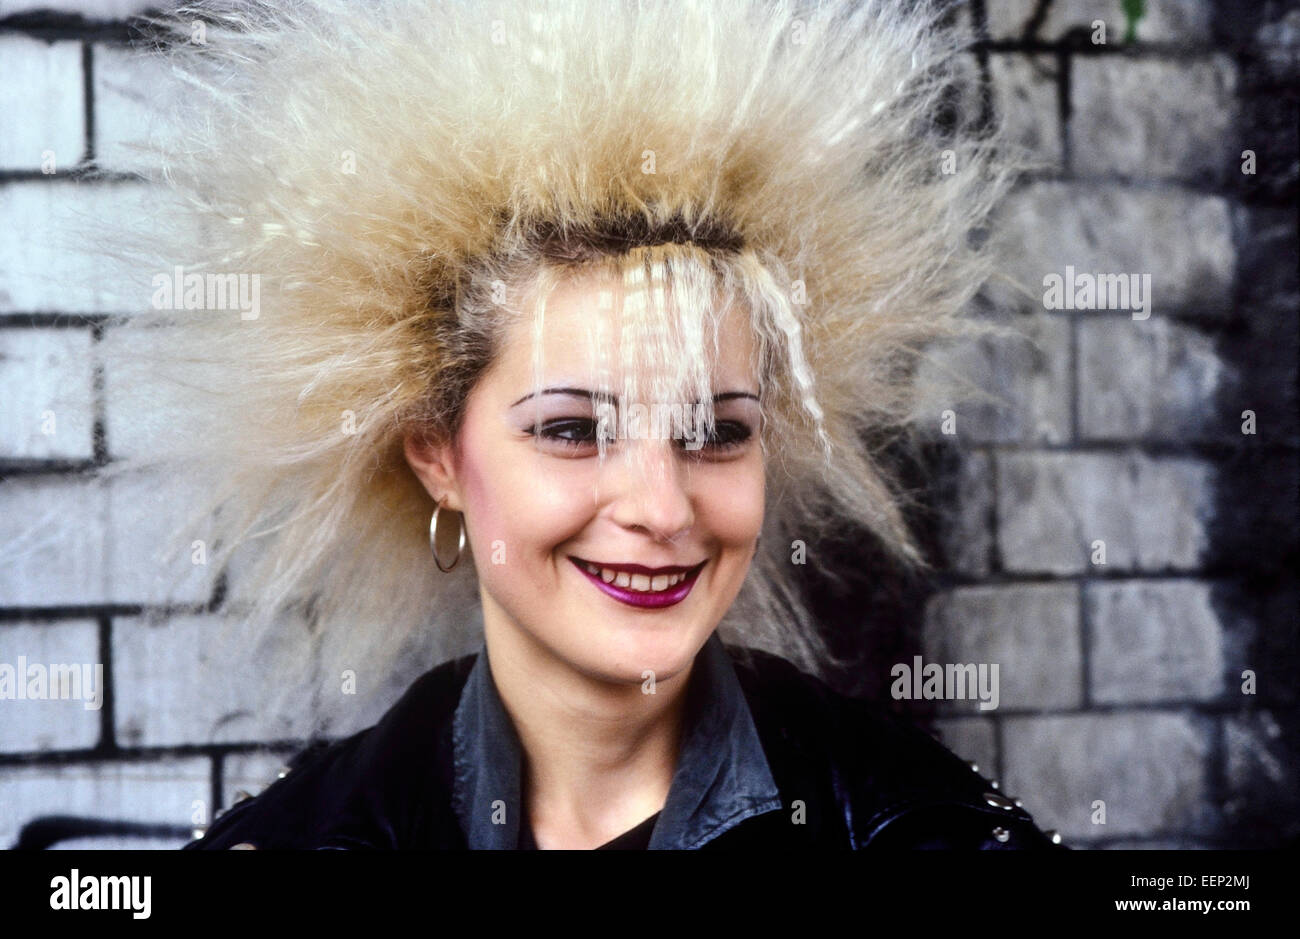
577,418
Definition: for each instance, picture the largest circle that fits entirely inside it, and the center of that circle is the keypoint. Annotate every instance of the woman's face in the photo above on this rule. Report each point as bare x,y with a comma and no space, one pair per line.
671,545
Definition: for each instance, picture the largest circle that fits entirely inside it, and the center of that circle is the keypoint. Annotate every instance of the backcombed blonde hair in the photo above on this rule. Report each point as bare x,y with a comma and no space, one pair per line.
387,167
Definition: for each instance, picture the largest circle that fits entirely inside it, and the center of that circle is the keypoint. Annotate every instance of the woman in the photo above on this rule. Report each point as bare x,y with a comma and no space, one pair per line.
590,296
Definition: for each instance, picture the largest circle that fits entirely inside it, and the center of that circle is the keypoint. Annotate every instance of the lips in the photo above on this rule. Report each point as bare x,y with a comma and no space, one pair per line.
638,585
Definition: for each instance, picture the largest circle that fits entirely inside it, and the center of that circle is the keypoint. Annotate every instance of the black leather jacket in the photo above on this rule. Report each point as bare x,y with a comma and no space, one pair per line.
850,775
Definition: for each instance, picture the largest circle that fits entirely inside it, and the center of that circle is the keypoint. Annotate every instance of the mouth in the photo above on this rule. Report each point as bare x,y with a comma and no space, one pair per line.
640,586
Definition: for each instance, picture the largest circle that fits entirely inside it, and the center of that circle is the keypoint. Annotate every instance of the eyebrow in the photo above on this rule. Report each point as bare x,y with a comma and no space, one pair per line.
607,396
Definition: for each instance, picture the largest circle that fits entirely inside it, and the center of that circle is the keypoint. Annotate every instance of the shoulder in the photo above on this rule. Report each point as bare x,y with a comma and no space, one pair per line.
893,783
369,790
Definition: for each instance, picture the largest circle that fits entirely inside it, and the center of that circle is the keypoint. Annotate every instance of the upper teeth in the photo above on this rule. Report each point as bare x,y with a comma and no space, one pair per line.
635,581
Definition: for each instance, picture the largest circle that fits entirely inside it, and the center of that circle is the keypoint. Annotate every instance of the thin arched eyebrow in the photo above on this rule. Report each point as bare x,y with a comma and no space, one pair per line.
606,396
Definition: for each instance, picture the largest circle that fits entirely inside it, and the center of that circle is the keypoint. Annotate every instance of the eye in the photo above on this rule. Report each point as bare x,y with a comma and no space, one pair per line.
580,432
726,436
567,431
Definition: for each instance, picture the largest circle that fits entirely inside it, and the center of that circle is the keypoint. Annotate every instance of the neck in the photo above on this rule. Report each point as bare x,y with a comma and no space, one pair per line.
599,756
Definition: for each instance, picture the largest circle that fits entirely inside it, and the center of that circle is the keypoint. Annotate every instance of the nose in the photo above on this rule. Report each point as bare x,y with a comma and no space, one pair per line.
651,493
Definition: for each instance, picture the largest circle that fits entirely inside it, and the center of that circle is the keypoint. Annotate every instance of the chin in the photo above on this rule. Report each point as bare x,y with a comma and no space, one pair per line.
625,658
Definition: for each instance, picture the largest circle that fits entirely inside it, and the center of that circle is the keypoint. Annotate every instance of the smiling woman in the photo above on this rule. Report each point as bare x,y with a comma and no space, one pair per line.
607,298
618,557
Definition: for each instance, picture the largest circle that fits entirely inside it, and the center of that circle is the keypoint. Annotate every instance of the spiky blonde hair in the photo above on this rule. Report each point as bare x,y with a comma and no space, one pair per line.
387,167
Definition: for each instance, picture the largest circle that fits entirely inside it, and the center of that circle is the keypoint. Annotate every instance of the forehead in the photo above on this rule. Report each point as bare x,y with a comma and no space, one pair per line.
595,327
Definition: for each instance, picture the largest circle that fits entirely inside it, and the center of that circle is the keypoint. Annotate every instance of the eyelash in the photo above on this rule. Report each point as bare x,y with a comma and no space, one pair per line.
737,433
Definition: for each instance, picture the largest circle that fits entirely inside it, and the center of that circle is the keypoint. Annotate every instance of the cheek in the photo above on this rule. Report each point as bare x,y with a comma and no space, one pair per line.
733,508
514,508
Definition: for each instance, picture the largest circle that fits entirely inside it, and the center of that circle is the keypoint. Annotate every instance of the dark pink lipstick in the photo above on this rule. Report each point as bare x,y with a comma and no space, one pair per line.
652,599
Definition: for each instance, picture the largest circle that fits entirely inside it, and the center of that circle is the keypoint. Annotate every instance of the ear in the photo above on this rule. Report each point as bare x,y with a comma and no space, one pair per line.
434,464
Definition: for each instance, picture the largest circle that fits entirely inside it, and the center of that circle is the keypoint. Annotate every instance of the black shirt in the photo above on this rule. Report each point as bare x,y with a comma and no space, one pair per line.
852,775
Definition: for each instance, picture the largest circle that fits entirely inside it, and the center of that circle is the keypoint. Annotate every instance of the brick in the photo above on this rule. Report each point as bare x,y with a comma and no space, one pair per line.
143,393
1151,379
91,9
1152,514
1171,21
1154,119
154,791
1031,631
1154,641
120,843
154,392
966,530
43,104
1149,769
52,528
151,525
51,723
1184,240
1004,389
78,541
46,381
134,95
971,738
1024,91
57,248
173,684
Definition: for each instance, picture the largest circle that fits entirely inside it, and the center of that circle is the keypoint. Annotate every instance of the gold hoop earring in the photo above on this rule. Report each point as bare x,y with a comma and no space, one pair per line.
433,540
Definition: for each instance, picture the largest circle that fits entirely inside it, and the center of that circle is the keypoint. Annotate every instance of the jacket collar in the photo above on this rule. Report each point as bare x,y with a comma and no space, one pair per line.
722,776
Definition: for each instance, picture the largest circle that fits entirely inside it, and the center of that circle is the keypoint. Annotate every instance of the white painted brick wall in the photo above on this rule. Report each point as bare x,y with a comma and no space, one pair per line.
134,94
91,9
1152,514
1148,767
1155,119
47,379
49,724
1009,390
1025,90
1182,239
167,791
1030,631
1149,380
148,539
43,104
69,541
146,391
119,843
1165,20
56,246
52,529
1154,642
180,681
